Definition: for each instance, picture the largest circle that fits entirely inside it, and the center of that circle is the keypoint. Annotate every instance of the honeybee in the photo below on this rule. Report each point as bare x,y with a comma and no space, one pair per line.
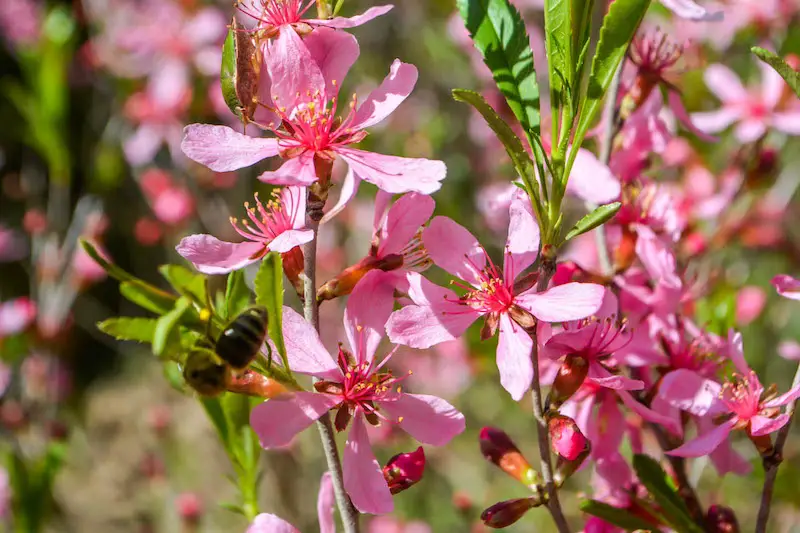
242,338
205,373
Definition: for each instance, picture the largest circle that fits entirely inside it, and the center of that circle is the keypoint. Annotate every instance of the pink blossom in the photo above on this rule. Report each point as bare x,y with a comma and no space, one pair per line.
16,315
787,286
388,524
269,523
85,269
273,15
358,389
750,302
591,180
688,9
439,314
20,21
445,369
13,246
754,110
789,350
305,77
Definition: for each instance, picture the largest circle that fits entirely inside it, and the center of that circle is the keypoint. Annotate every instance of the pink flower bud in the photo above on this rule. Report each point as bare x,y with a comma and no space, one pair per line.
505,513
404,470
497,447
566,438
569,379
189,506
721,519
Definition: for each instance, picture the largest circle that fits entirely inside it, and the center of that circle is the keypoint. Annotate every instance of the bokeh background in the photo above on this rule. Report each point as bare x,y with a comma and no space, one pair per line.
94,96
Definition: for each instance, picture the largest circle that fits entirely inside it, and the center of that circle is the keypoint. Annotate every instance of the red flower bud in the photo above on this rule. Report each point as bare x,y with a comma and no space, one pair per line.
293,266
255,384
566,438
404,470
497,447
721,519
190,508
503,514
569,379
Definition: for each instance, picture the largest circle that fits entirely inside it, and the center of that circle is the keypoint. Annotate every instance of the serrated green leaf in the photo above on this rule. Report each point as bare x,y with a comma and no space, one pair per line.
619,26
661,488
499,34
167,326
237,294
269,293
147,296
185,281
558,41
599,216
616,516
130,328
111,269
791,76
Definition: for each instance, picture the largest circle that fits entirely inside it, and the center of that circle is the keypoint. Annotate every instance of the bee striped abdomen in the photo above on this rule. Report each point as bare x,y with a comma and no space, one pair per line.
241,341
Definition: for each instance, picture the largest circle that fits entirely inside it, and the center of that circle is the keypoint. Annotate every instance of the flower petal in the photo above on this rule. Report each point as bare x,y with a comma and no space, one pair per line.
787,122
221,149
762,425
522,244
367,312
395,174
725,84
385,99
784,398
677,107
293,71
403,220
290,239
429,419
514,358
295,171
787,286
351,22
334,52
348,192
278,420
452,247
325,504
750,129
591,180
772,86
269,523
304,350
571,301
705,443
422,326
688,391
715,121
363,477
210,255
673,424
600,376
690,10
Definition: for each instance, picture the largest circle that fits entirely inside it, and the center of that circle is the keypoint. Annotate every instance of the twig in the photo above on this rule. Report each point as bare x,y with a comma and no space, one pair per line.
546,270
772,462
678,464
348,513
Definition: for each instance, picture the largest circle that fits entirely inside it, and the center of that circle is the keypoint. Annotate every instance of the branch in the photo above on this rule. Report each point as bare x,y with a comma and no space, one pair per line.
772,462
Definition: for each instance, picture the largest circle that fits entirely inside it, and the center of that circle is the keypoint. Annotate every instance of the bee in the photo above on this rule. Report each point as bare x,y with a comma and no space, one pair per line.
242,338
205,373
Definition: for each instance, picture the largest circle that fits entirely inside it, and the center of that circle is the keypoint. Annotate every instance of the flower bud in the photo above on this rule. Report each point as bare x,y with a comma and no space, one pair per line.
293,265
255,384
190,508
344,283
497,447
721,519
503,514
569,379
404,470
566,438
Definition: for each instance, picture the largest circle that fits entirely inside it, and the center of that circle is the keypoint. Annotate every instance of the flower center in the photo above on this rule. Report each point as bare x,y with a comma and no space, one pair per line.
276,13
608,336
654,54
742,395
267,221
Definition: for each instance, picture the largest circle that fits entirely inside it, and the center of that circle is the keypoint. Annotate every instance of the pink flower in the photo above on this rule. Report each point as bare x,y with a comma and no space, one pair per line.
789,350
754,111
750,302
787,286
273,15
13,245
740,403
690,10
305,76
388,524
358,388
277,226
16,315
269,523
591,180
439,314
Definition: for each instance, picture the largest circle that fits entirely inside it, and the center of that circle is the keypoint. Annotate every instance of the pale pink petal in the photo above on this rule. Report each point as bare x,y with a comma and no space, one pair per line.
715,121
334,52
789,350
423,327
690,10
788,122
787,286
673,424
210,255
677,107
750,130
383,201
705,443
294,73
207,26
169,83
688,391
293,204
762,425
367,312
425,293
295,171
269,523
571,301
600,376
363,478
429,419
141,147
750,303
278,420
591,180
325,504
607,430
395,174
452,247
735,351
382,101
522,244
305,351
514,358
725,84
348,191
290,239
351,22
726,460
784,398
570,341
221,149
772,86
402,222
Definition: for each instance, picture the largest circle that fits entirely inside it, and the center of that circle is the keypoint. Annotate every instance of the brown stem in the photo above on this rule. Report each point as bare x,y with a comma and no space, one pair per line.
772,462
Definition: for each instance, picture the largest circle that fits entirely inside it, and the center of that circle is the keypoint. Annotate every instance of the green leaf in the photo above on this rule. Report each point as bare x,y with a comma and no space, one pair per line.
237,294
167,325
147,296
791,76
129,328
111,269
269,293
227,74
216,414
558,41
232,507
619,26
616,516
185,281
661,488
599,216
499,34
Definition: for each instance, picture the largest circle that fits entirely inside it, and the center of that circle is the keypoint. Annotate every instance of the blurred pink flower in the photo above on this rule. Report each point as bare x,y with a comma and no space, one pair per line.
787,286
358,390
789,350
20,22
5,494
16,315
444,370
688,9
754,111
85,269
13,245
750,302
388,524
439,314
269,523
277,226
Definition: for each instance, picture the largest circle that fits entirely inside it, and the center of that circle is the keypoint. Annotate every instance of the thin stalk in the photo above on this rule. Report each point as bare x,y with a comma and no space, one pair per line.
546,270
772,462
347,512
